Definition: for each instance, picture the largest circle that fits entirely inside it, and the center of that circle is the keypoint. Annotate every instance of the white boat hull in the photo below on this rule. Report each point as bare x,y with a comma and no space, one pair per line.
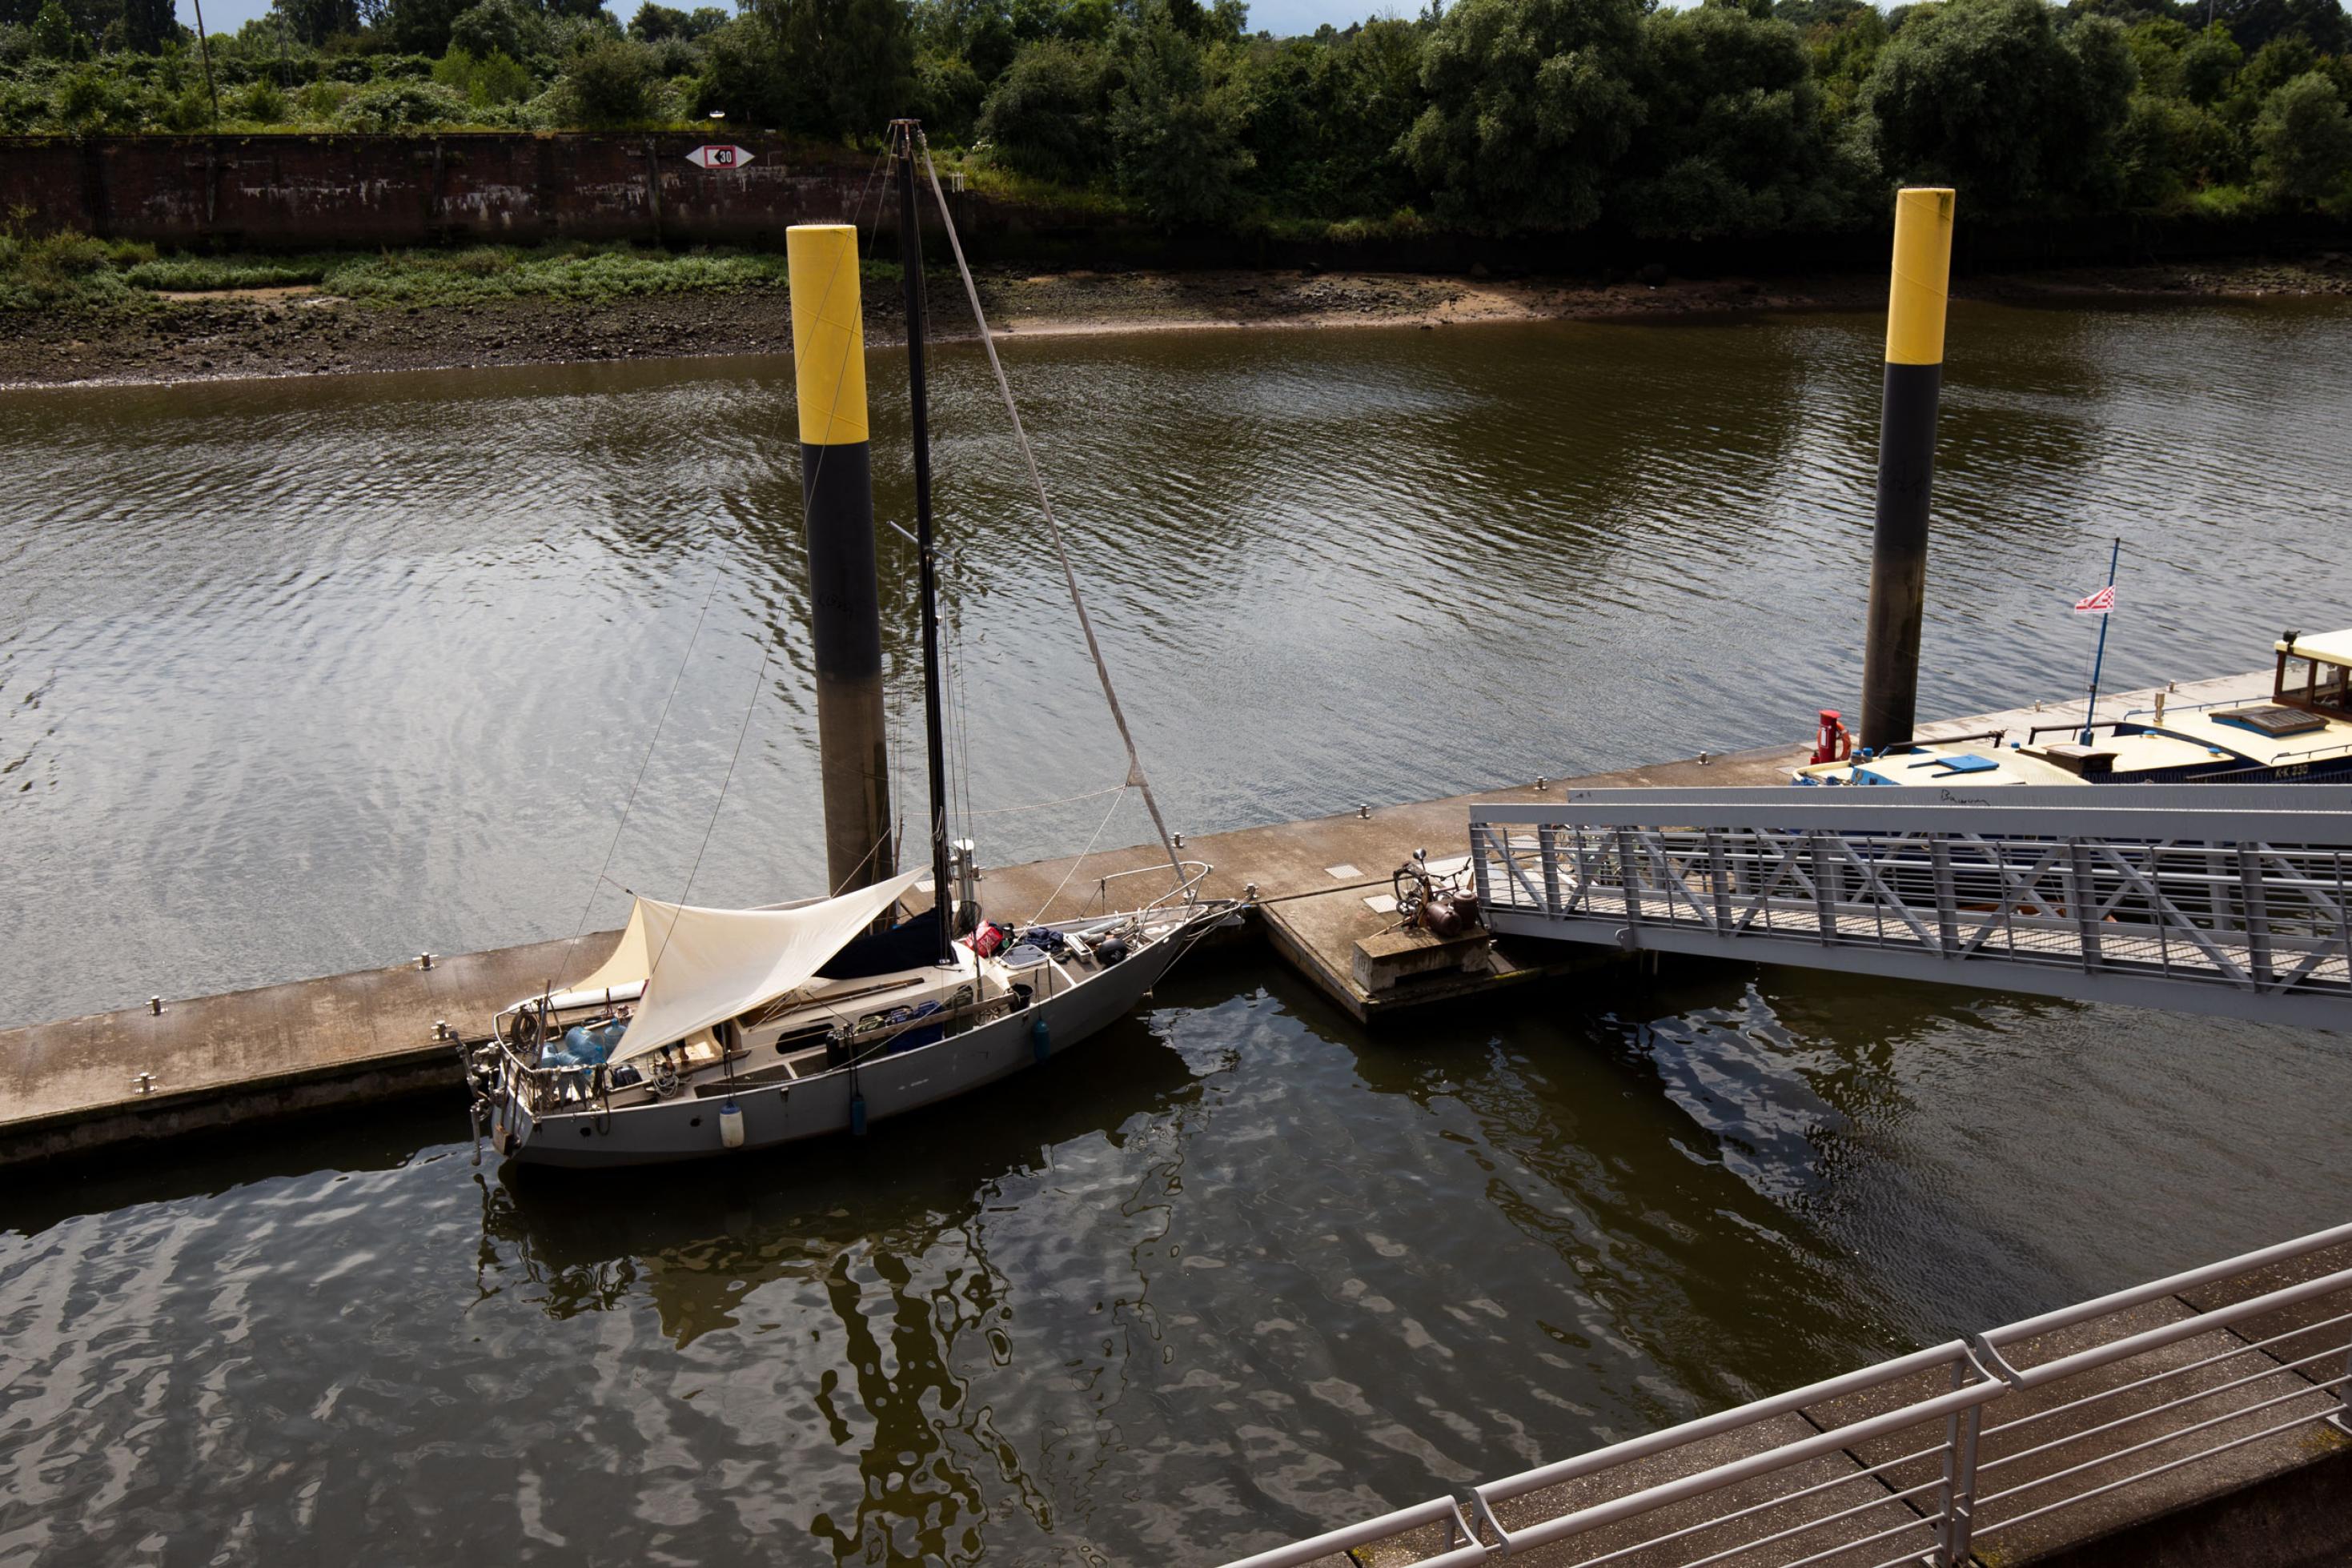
689,1127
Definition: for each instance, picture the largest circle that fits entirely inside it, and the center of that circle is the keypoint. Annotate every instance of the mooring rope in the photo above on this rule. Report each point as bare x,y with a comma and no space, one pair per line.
1135,774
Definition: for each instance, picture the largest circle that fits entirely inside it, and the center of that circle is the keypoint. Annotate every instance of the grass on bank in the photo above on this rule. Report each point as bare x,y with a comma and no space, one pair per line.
71,271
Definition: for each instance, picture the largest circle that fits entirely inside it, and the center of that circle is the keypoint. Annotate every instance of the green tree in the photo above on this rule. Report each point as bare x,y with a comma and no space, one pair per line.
1844,50
846,67
262,102
422,26
654,23
610,83
2157,44
313,22
1734,140
1325,116
53,32
401,106
1045,116
2168,147
1531,102
2303,140
983,34
148,25
2210,64
1991,97
87,98
948,94
2253,23
1176,122
1368,96
498,28
496,77
2274,66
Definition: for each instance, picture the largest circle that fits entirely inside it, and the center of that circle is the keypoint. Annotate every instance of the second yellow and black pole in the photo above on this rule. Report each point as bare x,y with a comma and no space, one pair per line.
1906,463
844,601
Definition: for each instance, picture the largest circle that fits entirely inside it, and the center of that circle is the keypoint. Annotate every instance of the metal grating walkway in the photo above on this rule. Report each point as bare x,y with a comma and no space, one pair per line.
2222,899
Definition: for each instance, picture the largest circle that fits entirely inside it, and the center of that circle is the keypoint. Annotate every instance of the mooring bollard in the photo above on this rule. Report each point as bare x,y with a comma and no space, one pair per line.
1913,387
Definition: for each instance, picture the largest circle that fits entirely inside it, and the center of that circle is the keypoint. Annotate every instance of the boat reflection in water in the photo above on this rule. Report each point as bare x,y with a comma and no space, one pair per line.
872,1264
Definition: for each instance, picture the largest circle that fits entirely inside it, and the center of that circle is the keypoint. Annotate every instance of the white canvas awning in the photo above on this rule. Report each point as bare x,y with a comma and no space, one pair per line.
705,965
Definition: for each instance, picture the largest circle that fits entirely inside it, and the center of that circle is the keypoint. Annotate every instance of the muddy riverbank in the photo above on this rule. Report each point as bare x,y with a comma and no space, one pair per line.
242,333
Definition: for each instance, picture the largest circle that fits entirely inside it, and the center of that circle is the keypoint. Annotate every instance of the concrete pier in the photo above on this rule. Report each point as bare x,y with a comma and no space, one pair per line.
226,1061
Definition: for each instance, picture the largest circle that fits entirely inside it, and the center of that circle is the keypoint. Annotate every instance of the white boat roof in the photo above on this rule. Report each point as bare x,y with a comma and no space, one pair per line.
2327,647
2208,726
1972,763
703,966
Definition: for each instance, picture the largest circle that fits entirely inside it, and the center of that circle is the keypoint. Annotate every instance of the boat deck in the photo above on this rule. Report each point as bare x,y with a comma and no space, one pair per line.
224,1060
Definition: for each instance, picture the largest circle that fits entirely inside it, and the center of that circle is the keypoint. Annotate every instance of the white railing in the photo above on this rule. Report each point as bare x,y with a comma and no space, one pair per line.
2228,899
1925,1458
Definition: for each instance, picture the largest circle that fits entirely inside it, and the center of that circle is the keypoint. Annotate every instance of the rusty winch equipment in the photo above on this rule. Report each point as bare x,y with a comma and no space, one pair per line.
1429,902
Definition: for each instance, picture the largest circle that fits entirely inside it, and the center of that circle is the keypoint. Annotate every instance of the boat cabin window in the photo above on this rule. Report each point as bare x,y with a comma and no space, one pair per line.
2329,688
2314,685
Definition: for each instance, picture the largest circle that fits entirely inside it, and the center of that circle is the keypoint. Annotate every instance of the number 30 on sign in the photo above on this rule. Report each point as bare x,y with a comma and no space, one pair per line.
720,157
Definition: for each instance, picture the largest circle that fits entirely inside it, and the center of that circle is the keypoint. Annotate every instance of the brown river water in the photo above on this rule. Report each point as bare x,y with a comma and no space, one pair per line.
304,675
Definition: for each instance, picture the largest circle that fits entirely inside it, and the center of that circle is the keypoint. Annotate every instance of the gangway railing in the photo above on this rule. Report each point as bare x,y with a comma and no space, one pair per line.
2220,899
2173,1390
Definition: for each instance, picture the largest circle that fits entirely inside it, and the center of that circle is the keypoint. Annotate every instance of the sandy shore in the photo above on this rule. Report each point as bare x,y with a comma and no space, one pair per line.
295,332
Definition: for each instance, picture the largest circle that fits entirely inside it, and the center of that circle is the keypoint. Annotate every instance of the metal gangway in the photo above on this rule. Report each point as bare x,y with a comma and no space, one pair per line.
2207,898
2013,1442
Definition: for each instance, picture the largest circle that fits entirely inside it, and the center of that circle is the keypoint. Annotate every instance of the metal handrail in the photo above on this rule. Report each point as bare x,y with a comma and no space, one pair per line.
1436,1510
1980,1381
1706,1427
2301,813
2198,708
2234,900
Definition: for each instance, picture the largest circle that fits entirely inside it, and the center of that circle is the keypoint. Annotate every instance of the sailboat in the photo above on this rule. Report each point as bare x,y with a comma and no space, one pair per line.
708,1032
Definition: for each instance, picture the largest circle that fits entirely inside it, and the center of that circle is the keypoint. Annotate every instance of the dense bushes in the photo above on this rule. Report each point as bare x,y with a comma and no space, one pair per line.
1729,117
1733,117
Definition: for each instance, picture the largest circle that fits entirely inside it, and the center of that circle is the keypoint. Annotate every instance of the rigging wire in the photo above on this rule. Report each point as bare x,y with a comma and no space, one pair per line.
959,717
717,577
1135,774
759,684
1048,904
642,764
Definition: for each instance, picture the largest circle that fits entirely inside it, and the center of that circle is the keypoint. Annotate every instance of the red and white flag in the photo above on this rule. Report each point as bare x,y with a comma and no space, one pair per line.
2098,603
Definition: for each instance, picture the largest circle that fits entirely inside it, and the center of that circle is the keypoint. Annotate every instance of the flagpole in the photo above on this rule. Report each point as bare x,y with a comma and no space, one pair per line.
2099,658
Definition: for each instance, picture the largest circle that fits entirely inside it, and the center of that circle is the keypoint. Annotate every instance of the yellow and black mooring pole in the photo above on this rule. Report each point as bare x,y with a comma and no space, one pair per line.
837,503
1906,463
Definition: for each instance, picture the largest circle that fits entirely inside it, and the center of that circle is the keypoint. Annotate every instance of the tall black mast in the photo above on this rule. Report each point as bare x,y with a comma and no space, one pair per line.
910,261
